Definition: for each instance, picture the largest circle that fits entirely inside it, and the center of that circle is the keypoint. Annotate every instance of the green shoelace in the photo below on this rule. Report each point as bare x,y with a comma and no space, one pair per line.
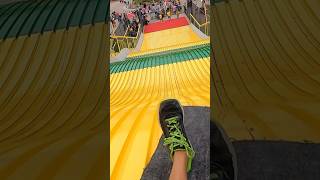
176,141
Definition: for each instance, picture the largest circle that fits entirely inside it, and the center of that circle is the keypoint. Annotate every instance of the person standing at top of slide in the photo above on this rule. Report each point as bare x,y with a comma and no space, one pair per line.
165,5
169,13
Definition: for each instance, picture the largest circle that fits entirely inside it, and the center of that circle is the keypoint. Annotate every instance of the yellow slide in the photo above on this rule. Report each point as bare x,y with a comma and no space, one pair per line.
169,37
139,84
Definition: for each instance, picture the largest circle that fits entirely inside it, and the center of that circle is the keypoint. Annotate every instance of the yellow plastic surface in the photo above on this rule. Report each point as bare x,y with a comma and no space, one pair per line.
168,37
169,48
267,69
53,105
135,97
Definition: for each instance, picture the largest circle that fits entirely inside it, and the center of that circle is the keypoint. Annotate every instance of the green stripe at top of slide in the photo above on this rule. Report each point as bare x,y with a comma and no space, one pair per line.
160,59
30,17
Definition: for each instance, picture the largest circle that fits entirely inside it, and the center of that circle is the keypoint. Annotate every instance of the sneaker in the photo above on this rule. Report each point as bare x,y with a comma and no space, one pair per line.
171,121
223,164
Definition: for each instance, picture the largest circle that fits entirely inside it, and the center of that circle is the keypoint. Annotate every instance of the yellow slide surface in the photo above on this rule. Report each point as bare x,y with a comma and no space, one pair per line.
169,37
53,105
267,69
169,48
136,94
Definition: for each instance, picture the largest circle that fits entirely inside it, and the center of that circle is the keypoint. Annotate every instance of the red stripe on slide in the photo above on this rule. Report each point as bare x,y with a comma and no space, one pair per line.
168,24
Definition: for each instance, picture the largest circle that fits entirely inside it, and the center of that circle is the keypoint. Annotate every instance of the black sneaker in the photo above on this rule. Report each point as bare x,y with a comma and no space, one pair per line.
223,164
171,121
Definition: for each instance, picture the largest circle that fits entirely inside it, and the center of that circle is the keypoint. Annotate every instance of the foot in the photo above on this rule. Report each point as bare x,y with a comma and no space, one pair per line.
222,163
171,121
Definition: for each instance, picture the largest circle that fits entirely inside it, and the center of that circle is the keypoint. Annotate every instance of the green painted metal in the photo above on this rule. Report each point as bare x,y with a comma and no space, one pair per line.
158,59
30,17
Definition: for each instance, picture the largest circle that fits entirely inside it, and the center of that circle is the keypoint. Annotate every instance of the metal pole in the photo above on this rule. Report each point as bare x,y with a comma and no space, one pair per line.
118,45
127,42
205,11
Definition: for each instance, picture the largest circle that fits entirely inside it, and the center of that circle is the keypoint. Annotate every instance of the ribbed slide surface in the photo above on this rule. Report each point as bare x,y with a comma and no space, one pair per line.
30,17
168,48
172,63
266,70
135,96
52,105
168,37
53,95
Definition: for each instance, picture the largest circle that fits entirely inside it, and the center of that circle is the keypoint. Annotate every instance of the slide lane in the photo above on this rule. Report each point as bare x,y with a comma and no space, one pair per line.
173,62
135,96
168,37
266,71
52,104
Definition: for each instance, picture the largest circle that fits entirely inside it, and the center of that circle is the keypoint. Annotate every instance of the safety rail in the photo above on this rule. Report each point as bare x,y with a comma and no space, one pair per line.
120,42
205,27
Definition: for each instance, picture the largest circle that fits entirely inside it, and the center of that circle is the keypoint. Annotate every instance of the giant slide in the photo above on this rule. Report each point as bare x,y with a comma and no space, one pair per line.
266,84
53,95
267,69
173,62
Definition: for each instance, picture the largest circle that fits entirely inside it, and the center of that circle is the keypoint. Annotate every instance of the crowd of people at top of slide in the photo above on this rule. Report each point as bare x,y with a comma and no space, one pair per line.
146,12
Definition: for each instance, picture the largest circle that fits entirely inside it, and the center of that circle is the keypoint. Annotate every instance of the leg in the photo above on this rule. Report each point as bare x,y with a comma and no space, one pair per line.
179,167
175,138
